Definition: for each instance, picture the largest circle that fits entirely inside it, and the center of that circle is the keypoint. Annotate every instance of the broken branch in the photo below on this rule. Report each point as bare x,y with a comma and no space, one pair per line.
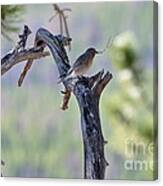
12,58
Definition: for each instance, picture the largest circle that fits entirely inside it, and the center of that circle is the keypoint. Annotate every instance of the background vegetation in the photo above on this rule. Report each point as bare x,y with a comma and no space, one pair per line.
40,140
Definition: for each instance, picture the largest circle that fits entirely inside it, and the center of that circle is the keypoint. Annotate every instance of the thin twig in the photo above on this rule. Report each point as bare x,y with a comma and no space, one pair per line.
62,20
25,70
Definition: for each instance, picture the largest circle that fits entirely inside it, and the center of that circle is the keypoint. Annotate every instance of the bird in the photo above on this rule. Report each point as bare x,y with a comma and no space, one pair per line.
82,64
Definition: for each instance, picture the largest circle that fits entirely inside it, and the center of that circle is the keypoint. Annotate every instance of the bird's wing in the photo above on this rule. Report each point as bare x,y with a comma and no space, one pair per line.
80,60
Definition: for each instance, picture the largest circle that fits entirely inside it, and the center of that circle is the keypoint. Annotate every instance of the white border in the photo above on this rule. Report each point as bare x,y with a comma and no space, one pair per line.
68,182
56,1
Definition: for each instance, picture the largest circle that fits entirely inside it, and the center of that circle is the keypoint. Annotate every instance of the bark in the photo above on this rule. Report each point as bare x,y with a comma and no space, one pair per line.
13,58
88,99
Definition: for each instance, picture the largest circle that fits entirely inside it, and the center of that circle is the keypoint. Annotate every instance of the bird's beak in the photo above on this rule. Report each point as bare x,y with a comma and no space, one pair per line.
99,52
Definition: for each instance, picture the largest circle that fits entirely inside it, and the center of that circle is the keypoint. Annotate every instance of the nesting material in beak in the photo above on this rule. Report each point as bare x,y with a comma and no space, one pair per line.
99,52
108,45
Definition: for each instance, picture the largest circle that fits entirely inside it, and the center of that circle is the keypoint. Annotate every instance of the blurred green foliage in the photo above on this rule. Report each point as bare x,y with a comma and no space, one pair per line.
35,139
128,107
10,17
124,50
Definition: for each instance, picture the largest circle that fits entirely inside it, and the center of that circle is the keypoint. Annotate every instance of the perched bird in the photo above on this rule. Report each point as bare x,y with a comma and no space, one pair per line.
82,64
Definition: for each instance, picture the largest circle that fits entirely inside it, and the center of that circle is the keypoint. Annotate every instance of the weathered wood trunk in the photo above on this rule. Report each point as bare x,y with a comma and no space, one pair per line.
94,160
87,91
